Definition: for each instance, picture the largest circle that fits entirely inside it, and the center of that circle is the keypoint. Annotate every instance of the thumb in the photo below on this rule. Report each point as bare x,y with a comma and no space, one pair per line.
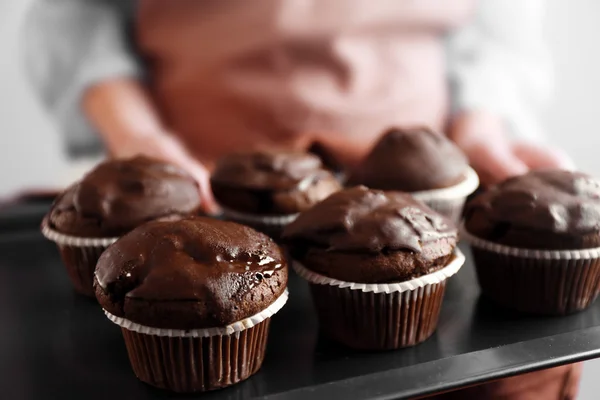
495,163
201,175
539,156
171,149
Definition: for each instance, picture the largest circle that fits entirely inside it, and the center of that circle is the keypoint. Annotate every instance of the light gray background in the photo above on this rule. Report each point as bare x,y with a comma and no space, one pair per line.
30,152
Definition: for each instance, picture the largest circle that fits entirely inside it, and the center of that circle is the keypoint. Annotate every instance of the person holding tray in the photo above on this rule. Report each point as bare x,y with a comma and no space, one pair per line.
190,81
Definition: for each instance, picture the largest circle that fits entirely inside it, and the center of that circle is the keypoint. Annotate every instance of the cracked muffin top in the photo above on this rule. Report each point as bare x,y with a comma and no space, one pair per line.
195,272
119,195
371,236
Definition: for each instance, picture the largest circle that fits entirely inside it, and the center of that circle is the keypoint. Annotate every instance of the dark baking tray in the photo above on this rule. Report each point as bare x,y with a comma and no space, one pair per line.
24,215
56,344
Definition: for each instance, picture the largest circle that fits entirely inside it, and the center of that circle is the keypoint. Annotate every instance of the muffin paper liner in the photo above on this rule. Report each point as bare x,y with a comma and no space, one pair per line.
461,189
74,241
450,208
258,219
271,225
576,254
204,332
196,364
79,255
429,279
199,359
380,316
550,282
450,201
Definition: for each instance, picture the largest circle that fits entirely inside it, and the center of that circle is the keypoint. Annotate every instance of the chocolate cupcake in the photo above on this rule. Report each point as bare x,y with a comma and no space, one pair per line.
193,299
536,241
267,190
111,200
422,162
377,263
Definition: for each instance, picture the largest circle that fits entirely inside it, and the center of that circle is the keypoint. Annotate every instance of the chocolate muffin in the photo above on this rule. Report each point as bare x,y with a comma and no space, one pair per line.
535,239
267,189
271,183
547,209
193,298
358,248
112,199
119,195
412,160
422,162
371,236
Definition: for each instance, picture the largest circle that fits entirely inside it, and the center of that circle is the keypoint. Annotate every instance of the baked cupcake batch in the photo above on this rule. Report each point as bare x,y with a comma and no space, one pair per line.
194,295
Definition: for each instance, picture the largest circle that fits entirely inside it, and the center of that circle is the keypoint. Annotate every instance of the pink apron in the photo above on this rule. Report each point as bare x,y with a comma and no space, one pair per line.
238,74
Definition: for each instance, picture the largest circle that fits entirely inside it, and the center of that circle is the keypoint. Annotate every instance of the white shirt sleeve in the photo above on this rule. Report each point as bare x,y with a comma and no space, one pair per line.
499,63
69,45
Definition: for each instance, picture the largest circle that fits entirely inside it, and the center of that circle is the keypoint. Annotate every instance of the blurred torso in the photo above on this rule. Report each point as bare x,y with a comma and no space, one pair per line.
232,74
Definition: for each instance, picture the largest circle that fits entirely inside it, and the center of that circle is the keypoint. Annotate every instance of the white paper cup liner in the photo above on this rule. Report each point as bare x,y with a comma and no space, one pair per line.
450,208
575,254
451,200
234,328
548,282
460,190
275,220
74,241
435,277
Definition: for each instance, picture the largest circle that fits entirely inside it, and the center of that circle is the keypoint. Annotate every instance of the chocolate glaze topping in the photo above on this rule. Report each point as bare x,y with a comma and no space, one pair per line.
265,170
119,195
193,273
411,160
363,220
544,201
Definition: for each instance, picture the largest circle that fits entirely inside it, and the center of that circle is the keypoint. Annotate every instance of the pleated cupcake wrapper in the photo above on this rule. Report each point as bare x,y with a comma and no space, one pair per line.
230,329
271,225
422,281
198,359
575,254
461,189
552,282
196,364
380,316
79,255
279,220
450,208
74,241
450,201
378,321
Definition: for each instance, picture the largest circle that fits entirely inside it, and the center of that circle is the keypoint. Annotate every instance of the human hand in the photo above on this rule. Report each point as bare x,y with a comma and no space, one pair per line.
123,113
483,139
166,147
